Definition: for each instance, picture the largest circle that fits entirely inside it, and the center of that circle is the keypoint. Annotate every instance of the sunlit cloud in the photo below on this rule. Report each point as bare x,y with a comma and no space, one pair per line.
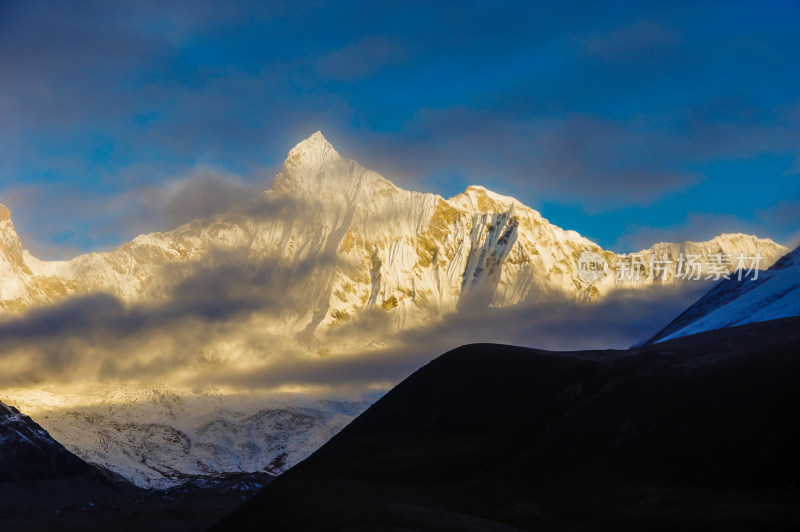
224,326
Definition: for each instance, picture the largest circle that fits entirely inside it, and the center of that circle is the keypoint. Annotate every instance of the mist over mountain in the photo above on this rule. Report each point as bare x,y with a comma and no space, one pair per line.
202,296
165,358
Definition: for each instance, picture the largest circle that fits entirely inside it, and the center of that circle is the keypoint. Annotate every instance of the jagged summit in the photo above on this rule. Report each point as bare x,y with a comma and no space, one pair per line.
733,237
313,152
5,213
413,252
315,169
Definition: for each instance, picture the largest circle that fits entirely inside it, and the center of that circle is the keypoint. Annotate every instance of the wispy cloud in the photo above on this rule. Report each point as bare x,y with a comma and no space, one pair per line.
160,202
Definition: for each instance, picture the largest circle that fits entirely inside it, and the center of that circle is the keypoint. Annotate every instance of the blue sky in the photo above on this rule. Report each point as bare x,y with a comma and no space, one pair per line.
628,122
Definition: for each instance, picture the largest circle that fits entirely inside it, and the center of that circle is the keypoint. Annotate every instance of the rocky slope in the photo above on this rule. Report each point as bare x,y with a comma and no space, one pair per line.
27,452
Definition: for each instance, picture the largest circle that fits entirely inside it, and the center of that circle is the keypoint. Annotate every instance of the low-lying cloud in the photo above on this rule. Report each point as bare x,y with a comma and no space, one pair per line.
233,324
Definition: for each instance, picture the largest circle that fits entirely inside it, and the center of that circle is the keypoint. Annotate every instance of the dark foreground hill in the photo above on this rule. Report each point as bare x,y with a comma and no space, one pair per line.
701,432
45,487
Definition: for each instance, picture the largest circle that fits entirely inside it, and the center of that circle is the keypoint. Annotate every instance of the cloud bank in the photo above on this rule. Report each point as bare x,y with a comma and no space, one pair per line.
224,326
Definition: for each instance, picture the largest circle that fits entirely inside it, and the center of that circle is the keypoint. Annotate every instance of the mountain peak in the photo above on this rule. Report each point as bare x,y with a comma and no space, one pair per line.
314,167
5,213
313,151
483,200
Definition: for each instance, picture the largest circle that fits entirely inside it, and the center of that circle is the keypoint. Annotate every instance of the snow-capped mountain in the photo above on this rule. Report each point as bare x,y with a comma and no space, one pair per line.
43,486
157,439
328,244
409,253
773,295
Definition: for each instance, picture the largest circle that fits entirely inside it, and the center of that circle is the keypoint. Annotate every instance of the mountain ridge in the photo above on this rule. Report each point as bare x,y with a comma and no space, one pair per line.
429,251
333,260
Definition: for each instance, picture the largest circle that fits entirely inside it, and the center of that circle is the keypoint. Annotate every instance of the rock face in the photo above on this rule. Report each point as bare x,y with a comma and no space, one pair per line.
373,244
20,288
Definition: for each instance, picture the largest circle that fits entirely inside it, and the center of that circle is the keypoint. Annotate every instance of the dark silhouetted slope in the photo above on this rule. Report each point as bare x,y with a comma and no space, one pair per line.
27,452
701,432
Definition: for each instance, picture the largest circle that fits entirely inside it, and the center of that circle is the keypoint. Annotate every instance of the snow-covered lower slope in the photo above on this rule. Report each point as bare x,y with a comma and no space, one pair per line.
774,294
158,439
